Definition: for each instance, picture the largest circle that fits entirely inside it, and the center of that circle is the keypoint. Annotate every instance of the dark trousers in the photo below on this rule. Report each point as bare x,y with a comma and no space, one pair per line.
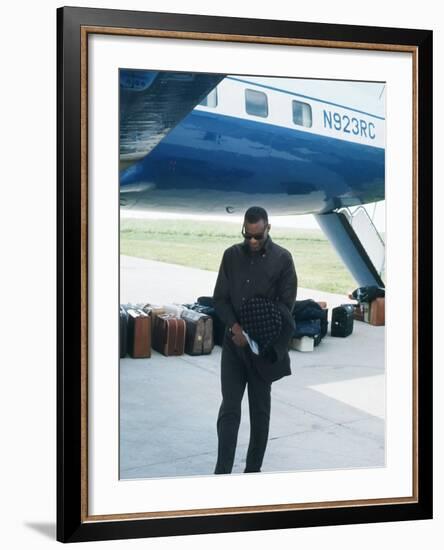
237,371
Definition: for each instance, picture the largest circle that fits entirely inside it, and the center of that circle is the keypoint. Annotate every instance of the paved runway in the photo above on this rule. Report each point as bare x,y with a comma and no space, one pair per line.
329,414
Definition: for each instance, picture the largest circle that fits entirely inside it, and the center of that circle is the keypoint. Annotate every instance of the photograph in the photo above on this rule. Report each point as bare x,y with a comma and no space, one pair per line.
235,188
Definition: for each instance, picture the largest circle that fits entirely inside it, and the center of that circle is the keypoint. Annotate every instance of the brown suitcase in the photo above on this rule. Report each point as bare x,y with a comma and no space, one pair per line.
139,333
377,312
169,335
199,333
153,311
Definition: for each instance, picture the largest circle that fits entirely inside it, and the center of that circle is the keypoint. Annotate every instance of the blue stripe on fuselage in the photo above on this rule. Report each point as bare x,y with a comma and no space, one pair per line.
210,151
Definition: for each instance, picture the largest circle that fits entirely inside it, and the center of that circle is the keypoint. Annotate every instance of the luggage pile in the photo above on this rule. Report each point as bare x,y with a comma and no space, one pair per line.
195,328
170,329
370,305
311,320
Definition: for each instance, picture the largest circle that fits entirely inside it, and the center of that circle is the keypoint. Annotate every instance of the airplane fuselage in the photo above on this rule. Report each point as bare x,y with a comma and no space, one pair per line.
294,153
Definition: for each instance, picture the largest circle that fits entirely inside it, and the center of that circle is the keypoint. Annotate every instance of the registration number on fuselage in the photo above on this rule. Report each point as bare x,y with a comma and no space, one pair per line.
349,125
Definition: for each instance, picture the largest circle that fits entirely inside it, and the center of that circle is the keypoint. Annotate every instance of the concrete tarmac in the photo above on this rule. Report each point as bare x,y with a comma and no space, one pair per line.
329,414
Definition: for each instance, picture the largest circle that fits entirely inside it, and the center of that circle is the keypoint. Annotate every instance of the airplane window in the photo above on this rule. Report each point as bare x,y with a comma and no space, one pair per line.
256,103
302,114
210,100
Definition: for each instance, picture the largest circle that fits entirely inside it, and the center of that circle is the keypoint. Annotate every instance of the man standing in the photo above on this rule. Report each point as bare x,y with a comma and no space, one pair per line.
256,268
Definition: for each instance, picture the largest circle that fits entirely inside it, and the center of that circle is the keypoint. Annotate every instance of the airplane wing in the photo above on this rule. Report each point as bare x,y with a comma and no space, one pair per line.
152,103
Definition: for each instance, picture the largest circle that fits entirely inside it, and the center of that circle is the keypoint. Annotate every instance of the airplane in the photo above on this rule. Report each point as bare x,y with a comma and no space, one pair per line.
201,142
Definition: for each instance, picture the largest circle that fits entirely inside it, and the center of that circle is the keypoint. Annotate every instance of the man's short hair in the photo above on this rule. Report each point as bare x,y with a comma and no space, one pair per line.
255,214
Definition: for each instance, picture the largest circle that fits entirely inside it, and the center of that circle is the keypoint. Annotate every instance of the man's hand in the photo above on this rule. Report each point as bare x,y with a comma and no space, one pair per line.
237,335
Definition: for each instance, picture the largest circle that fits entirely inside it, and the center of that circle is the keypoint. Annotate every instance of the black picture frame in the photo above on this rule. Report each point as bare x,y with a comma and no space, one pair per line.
73,522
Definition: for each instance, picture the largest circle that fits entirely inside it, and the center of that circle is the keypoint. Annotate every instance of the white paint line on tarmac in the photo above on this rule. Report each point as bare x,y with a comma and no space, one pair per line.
366,394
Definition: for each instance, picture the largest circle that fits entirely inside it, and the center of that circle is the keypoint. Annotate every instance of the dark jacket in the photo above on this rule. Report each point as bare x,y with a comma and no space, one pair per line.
269,273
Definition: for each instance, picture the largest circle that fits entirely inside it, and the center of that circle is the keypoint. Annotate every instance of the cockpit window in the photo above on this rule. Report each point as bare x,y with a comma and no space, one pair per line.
210,100
256,103
302,114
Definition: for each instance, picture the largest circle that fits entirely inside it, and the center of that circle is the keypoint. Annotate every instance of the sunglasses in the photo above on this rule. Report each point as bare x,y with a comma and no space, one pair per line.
255,237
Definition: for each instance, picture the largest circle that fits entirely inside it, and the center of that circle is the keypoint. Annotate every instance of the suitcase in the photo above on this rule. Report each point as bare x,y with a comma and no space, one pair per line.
153,311
169,335
205,305
139,333
342,320
366,311
377,312
324,324
361,312
199,332
123,332
123,326
358,312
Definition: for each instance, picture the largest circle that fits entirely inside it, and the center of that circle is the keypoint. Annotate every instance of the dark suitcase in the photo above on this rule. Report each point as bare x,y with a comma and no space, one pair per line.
169,335
199,332
139,333
342,320
123,332
218,325
323,319
205,304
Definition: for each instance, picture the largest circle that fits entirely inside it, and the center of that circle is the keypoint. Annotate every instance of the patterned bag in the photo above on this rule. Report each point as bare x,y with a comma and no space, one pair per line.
262,321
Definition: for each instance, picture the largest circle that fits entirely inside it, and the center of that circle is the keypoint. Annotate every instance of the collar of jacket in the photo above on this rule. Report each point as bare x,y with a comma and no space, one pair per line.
262,251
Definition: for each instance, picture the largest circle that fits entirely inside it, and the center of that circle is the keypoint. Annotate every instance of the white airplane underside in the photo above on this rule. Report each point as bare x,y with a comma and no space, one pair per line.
214,143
